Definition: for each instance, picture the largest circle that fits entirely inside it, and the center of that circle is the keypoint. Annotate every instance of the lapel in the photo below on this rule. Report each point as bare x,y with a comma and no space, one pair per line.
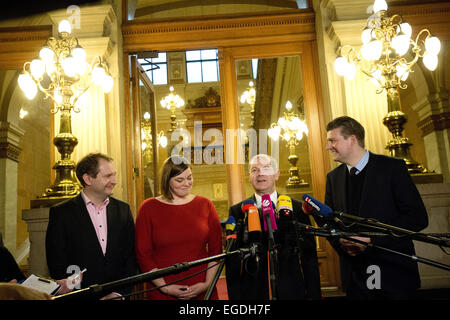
112,213
341,188
89,236
368,180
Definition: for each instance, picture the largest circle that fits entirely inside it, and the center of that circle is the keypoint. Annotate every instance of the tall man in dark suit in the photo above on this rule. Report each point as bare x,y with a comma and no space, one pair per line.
379,187
298,271
93,230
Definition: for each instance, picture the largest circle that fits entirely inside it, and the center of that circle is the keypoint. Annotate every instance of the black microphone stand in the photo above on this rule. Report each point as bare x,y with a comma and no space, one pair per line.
144,277
347,235
374,224
273,257
222,263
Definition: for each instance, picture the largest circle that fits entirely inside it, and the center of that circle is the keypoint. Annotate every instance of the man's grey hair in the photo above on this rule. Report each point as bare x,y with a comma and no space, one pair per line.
267,159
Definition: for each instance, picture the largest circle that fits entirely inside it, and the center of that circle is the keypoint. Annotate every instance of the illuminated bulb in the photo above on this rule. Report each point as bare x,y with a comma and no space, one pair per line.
70,66
340,65
288,106
430,60
282,122
379,5
372,50
107,83
299,135
37,68
46,54
147,116
163,141
64,26
98,75
366,35
50,68
304,127
22,113
79,53
274,133
286,136
402,72
143,146
406,28
433,45
27,85
401,43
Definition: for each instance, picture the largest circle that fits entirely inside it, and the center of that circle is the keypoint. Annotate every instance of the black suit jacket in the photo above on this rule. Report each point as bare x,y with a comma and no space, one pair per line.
71,240
296,279
389,196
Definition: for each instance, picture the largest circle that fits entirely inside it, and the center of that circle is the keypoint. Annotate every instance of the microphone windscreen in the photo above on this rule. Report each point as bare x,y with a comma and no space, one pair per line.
254,223
246,204
322,208
284,203
267,208
230,224
306,207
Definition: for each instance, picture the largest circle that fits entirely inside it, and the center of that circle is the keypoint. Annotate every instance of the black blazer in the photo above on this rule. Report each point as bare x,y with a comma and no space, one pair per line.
296,280
390,196
71,240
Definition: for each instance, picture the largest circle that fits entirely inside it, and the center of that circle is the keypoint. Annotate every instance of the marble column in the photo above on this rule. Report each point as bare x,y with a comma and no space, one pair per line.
9,157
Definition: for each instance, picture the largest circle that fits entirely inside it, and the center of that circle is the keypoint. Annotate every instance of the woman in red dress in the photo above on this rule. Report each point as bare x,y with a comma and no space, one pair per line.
178,227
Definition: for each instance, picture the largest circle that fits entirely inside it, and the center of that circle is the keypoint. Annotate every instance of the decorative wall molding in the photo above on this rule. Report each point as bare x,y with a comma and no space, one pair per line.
223,30
20,44
434,122
9,151
9,141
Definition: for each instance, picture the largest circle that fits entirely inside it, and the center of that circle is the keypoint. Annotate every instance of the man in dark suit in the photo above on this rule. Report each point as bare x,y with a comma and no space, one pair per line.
93,230
298,271
378,187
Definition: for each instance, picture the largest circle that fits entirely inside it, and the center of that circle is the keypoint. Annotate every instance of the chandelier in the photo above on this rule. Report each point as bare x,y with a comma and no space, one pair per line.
387,56
291,129
249,97
147,138
62,74
172,102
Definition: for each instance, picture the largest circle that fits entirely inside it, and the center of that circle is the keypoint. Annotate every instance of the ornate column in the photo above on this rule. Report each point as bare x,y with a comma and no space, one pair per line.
434,112
9,157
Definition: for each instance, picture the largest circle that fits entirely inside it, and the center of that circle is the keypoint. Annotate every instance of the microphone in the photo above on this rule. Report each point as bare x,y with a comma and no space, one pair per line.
253,228
307,209
230,225
254,224
245,206
320,207
284,206
267,209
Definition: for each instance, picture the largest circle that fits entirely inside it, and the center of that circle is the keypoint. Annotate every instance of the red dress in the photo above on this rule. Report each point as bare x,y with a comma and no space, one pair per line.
168,234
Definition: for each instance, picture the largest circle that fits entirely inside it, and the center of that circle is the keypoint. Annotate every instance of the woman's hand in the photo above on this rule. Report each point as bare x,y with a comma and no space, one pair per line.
174,290
193,291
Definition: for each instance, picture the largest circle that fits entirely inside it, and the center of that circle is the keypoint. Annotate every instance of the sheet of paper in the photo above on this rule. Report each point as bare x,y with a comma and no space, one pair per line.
41,284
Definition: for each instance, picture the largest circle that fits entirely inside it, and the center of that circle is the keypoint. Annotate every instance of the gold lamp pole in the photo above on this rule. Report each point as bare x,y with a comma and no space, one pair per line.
62,64
291,129
172,102
249,96
386,58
